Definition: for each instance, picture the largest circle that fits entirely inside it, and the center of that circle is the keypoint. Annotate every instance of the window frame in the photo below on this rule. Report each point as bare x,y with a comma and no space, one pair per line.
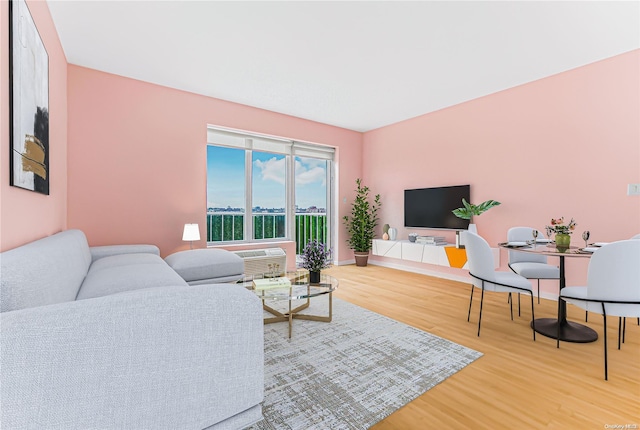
223,137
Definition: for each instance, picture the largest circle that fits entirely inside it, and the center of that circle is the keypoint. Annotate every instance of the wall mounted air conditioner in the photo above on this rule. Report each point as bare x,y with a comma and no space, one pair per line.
263,261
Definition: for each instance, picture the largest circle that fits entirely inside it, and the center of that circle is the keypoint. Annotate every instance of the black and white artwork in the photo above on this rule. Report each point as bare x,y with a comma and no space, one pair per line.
29,99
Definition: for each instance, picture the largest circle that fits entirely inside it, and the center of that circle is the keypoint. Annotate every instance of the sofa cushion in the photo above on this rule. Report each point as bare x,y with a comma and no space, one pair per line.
98,252
44,272
127,272
207,265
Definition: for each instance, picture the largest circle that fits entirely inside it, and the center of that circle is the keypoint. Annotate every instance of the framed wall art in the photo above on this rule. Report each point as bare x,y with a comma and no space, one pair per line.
29,102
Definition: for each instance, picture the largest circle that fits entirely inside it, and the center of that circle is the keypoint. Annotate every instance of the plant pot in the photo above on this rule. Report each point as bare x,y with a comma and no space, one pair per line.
563,241
361,258
314,277
459,240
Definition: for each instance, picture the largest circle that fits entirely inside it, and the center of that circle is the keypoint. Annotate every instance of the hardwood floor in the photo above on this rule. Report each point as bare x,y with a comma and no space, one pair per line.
517,383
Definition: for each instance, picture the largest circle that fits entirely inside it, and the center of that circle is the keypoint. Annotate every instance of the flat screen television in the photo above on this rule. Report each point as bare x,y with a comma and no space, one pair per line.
431,207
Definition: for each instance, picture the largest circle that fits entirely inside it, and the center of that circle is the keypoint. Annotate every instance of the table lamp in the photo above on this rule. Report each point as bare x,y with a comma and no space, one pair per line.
191,232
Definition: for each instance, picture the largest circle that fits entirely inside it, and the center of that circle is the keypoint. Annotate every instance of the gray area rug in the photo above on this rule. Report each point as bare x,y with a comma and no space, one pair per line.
352,372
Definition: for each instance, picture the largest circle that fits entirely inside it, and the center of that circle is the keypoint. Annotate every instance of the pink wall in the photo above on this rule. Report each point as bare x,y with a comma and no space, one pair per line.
566,145
137,157
26,215
134,166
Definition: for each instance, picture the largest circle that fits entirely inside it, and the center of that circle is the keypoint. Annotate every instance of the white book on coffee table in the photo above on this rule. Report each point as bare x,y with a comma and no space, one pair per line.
271,283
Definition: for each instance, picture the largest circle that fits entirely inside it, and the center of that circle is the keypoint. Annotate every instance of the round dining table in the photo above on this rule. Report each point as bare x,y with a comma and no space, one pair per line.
568,331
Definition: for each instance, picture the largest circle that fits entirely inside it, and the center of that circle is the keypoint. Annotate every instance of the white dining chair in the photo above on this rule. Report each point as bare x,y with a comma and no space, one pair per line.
613,285
637,236
586,313
531,266
486,278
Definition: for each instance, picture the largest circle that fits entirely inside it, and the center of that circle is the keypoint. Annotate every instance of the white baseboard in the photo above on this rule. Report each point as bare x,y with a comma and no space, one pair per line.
449,276
346,262
436,274
545,294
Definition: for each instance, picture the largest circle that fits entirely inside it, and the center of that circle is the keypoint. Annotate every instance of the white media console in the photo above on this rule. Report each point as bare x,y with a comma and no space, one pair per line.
444,255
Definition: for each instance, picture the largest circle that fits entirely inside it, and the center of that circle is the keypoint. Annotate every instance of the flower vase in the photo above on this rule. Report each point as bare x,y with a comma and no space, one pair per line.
459,239
563,241
314,277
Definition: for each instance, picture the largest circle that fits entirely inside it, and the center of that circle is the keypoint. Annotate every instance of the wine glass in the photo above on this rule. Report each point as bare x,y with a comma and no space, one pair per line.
549,233
585,237
534,232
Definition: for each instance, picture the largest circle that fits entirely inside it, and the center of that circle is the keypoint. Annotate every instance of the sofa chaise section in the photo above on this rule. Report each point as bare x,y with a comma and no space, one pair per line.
161,357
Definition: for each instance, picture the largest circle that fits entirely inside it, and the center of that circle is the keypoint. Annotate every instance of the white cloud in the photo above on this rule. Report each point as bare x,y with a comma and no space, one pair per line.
272,169
310,172
310,176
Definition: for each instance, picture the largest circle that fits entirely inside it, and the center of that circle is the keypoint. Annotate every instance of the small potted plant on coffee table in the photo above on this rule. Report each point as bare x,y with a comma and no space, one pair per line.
315,257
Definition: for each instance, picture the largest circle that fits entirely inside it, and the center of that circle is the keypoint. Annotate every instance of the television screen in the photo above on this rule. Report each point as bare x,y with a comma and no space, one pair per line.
431,207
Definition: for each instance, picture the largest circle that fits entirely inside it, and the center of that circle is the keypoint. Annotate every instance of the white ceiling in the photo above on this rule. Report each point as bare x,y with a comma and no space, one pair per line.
358,65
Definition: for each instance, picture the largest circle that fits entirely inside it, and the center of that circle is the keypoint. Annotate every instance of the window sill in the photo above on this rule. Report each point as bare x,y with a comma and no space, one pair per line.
233,246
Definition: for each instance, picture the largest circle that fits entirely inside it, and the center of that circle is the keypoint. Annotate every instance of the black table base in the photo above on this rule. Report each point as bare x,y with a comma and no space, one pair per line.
569,331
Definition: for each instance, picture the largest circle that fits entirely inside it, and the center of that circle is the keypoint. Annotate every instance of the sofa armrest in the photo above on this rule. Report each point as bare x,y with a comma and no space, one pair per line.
171,357
98,252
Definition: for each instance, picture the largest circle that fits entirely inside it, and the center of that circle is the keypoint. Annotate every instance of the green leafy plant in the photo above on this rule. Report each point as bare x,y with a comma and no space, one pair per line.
468,210
363,220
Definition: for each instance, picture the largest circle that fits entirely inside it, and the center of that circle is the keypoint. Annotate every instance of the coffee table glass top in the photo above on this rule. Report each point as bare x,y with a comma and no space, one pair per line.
300,287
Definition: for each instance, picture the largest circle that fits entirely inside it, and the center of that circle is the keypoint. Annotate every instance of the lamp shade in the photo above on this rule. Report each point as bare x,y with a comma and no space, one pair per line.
191,232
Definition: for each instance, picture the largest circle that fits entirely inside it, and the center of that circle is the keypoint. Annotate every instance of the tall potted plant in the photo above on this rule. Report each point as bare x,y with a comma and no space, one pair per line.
362,223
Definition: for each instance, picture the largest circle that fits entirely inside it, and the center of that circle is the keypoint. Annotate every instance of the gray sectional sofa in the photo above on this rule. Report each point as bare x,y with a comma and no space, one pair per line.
113,338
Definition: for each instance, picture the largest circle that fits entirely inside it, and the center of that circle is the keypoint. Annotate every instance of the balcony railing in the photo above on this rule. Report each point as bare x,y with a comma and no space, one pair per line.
310,227
229,226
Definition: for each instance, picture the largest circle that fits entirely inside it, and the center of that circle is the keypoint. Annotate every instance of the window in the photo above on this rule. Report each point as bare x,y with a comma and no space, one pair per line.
284,186
269,174
311,200
225,194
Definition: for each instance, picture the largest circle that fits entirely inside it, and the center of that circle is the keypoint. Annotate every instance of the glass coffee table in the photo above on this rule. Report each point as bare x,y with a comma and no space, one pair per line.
300,289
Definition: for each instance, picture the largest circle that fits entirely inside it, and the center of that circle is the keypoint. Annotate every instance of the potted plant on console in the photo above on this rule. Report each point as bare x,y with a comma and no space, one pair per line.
467,211
315,257
362,223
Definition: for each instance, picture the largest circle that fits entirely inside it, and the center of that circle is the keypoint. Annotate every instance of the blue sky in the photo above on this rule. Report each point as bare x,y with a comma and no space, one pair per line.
225,179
